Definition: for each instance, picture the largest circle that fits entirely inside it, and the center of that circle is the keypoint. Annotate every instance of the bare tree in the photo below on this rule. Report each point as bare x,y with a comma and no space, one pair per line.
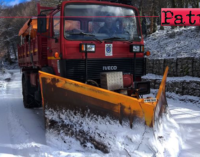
9,27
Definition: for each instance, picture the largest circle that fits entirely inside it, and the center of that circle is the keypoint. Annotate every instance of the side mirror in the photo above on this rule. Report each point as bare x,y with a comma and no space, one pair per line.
41,23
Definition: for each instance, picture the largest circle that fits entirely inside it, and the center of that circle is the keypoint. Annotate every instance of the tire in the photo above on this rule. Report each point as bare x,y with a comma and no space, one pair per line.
37,92
27,92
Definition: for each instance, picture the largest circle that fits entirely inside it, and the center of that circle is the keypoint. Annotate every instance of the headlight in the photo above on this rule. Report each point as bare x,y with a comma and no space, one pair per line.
136,48
87,47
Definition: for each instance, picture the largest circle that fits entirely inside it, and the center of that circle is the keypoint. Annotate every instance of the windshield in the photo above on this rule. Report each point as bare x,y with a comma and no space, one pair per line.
101,22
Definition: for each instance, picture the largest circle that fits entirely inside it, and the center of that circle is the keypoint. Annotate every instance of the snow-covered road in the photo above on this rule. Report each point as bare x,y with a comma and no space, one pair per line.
22,131
18,125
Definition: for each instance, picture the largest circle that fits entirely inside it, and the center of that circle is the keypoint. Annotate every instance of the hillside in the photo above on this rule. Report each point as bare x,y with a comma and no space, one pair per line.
180,42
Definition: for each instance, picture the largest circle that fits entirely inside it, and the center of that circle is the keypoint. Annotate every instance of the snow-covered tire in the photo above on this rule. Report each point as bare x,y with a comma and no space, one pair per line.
28,99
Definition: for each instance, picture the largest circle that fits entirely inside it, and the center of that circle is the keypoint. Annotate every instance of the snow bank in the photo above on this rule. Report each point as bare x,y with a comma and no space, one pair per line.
180,42
170,136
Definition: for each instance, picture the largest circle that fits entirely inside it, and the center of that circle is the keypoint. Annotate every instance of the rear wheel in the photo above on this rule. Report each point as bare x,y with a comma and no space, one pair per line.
27,92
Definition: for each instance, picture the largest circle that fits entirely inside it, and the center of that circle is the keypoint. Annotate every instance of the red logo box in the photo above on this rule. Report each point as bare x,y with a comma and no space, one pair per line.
180,16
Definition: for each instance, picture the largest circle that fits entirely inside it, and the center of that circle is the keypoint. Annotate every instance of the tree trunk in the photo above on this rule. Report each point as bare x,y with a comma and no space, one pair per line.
155,19
152,18
186,6
153,26
173,3
14,51
181,6
141,9
8,59
195,4
160,6
198,27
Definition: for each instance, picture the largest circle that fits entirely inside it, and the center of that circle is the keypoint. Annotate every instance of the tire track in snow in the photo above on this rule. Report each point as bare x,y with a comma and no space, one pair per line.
3,85
5,136
21,141
20,137
18,133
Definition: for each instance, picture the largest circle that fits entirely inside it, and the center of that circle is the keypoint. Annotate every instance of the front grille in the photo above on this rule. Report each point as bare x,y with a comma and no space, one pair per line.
75,69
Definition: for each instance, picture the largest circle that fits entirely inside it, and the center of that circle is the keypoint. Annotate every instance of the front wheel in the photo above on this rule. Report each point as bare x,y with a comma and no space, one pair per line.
28,98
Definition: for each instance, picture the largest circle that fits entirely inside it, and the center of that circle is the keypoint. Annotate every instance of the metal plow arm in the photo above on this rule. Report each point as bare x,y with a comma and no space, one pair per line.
61,94
161,97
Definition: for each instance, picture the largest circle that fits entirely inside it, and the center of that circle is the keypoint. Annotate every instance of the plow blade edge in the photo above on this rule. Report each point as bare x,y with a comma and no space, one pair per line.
61,94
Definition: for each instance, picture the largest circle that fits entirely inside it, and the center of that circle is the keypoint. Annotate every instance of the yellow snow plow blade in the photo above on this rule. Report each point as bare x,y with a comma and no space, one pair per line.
61,94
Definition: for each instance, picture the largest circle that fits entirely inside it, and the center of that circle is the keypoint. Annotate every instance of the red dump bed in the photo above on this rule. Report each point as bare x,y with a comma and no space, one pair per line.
33,52
37,48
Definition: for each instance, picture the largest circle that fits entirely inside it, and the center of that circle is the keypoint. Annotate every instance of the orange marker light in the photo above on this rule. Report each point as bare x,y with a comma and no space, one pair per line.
56,55
82,47
148,53
142,48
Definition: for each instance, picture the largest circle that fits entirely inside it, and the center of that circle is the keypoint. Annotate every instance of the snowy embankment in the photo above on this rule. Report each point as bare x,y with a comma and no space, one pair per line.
172,43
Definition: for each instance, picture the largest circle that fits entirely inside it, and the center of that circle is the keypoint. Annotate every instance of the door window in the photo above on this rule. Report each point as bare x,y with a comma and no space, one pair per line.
56,24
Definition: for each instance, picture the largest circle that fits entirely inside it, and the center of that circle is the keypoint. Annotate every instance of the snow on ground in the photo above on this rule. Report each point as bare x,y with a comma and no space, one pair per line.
188,117
7,65
122,140
22,130
180,42
5,75
185,110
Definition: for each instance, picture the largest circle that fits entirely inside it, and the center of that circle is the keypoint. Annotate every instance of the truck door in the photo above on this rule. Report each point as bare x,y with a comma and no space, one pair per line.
54,42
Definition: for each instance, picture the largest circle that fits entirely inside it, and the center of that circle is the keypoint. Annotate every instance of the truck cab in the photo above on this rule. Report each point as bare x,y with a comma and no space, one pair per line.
90,37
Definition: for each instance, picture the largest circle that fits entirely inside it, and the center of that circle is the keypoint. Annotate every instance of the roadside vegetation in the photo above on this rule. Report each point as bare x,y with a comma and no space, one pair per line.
9,27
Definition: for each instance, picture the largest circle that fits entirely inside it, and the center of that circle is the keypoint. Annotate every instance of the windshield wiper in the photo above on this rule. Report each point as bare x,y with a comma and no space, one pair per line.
86,34
117,38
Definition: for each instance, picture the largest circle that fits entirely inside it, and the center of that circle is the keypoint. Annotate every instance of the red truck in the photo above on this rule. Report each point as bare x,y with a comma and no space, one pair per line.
79,40
87,56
